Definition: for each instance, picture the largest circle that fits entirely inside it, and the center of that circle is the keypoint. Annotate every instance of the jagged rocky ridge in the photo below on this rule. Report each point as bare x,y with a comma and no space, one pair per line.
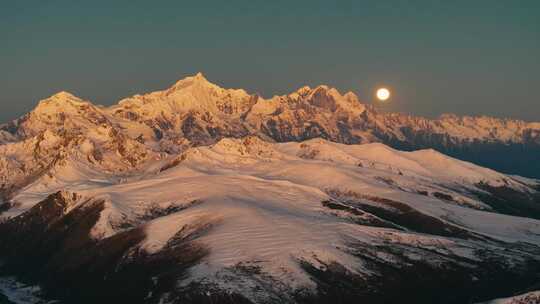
196,112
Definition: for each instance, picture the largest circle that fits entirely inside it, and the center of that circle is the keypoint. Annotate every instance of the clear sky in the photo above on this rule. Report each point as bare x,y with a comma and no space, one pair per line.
466,57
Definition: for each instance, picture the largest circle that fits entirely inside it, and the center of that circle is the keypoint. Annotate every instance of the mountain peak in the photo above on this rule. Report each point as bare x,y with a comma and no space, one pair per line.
196,80
199,75
352,97
63,95
61,98
304,90
60,102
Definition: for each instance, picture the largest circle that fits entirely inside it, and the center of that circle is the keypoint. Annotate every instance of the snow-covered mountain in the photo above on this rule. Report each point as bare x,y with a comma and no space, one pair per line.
198,194
196,112
245,220
203,113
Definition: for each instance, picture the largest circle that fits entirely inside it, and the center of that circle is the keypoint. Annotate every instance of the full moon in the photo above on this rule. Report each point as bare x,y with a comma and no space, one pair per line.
383,94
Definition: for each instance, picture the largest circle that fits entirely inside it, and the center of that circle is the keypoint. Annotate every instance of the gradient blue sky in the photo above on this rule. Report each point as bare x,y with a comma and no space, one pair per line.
465,57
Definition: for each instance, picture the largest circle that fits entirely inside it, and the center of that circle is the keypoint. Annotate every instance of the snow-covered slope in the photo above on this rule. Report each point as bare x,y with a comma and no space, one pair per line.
268,222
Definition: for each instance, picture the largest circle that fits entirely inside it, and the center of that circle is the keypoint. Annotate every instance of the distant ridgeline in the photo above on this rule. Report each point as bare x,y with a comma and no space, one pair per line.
196,112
